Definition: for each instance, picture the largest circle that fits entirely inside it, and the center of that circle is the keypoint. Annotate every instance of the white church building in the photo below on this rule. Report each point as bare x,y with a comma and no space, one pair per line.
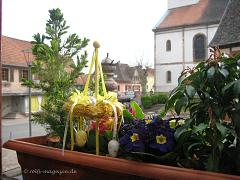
182,36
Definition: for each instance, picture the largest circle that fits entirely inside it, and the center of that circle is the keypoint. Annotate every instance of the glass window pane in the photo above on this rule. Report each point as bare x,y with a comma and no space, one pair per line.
5,74
199,47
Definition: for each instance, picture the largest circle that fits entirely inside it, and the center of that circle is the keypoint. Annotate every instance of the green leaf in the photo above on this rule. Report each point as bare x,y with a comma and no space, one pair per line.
180,130
220,146
128,115
190,90
138,110
162,114
236,88
236,121
217,110
182,78
192,146
200,65
108,134
180,104
211,72
173,98
200,127
229,85
224,72
223,130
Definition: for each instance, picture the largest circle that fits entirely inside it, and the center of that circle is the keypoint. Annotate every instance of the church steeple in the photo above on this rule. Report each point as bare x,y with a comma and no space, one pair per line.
179,3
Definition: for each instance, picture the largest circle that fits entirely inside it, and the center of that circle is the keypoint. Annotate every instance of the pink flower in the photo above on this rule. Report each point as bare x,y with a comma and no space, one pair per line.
104,125
131,110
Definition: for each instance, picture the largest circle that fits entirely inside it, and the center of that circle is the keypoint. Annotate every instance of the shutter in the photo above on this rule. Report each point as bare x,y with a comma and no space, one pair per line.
11,75
20,75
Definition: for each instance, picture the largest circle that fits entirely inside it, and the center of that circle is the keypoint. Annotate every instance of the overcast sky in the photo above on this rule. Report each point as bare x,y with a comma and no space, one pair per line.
123,27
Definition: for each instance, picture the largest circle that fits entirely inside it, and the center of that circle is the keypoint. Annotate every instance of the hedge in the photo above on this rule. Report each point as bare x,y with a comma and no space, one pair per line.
146,102
157,98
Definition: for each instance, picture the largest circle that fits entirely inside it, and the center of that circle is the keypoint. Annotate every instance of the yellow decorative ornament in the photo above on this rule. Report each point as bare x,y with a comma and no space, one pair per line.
81,138
83,107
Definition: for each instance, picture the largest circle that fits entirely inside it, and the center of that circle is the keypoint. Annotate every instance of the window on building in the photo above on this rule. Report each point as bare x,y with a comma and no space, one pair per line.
136,88
169,76
118,88
168,45
5,74
24,74
199,47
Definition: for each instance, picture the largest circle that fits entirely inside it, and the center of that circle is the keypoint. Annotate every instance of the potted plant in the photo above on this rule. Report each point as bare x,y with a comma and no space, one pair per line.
209,138
144,140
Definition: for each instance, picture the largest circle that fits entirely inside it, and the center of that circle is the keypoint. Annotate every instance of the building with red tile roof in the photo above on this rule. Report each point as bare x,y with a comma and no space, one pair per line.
12,54
14,68
181,38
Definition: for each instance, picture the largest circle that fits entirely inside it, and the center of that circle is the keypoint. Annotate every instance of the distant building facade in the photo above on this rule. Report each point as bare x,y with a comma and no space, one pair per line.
127,78
14,68
182,36
150,80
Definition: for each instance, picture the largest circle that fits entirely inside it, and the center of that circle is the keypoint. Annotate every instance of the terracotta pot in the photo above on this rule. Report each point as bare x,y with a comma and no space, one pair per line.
42,162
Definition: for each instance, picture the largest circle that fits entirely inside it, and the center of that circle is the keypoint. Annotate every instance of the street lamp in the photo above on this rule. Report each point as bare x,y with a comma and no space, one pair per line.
26,53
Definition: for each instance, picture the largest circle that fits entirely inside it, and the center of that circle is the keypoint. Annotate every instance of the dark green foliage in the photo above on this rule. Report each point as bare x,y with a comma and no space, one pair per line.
146,102
209,92
157,98
162,98
154,99
55,68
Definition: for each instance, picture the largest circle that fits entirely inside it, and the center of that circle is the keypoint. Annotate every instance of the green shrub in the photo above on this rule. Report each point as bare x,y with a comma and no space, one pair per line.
154,99
146,102
162,98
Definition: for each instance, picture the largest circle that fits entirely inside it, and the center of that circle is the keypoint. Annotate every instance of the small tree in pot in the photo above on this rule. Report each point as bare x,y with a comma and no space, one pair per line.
210,138
56,70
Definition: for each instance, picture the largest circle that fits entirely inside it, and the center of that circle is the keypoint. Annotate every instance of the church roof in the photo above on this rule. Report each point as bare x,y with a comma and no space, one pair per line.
205,12
12,51
228,32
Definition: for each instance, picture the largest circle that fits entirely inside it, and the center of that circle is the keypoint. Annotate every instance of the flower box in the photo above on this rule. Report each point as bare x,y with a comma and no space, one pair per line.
39,161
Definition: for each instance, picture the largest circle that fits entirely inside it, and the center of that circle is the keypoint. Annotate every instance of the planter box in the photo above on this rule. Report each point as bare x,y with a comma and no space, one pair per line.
39,161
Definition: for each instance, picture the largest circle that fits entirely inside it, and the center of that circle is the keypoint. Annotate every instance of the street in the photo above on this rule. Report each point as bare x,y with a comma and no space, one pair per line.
19,128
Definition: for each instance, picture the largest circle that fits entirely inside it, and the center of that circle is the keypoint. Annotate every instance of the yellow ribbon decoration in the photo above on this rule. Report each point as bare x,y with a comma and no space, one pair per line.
82,105
89,76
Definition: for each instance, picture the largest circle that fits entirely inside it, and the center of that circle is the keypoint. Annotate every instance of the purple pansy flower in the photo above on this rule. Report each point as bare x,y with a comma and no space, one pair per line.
151,132
133,141
163,141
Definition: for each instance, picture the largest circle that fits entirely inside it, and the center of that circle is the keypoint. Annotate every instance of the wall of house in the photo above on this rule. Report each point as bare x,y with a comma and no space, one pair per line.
163,56
189,34
6,105
179,3
122,86
180,56
19,102
150,83
161,77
